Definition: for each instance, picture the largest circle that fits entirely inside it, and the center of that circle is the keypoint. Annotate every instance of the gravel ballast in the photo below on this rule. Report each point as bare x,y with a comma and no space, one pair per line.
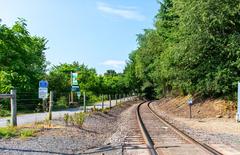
212,131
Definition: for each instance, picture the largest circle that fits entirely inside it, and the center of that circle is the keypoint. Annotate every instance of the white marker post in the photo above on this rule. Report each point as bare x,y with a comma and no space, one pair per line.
238,107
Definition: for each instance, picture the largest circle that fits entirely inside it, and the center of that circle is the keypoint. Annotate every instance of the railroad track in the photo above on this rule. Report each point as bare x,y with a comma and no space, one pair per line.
161,137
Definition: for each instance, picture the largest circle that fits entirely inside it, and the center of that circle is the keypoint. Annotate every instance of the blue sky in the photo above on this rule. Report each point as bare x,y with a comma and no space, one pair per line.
98,33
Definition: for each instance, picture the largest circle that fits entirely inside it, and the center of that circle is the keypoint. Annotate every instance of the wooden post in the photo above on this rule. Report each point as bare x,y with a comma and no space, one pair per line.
110,101
116,98
84,102
102,101
13,108
50,106
190,111
120,97
72,98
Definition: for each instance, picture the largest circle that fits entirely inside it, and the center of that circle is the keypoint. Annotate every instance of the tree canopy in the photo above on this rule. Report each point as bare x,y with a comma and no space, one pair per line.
22,58
194,48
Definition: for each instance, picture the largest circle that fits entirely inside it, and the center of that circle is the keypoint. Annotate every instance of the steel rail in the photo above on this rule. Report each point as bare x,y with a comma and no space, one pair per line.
146,136
183,135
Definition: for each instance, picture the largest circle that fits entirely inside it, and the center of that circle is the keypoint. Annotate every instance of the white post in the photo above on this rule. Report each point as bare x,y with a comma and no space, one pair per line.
13,108
238,107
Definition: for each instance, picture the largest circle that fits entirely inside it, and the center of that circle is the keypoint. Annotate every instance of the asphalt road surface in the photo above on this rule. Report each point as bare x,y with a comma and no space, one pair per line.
37,117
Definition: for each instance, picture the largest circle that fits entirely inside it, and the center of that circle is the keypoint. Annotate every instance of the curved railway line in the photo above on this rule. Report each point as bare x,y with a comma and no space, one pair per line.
161,137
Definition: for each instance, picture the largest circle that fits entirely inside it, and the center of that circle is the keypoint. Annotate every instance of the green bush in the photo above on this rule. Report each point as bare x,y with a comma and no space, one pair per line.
66,118
77,119
4,113
105,110
61,103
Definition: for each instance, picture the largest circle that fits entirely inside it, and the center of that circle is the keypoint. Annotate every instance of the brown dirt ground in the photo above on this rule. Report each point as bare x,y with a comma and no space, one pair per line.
208,108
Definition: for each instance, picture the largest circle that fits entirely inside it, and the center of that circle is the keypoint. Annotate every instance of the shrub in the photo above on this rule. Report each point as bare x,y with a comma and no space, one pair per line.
105,110
77,119
8,132
66,118
4,113
61,103
27,133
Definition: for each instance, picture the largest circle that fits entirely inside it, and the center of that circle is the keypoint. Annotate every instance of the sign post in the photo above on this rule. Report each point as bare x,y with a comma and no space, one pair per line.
190,102
74,86
238,107
43,92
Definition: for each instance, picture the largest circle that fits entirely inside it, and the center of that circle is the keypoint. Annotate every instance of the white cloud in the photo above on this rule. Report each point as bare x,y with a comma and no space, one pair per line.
114,63
121,11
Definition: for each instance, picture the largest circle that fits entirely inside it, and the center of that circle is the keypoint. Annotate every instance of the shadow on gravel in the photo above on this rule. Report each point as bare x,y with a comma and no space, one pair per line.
30,151
90,131
105,115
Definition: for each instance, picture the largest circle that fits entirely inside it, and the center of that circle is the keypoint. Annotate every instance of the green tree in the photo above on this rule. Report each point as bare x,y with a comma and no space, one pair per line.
22,57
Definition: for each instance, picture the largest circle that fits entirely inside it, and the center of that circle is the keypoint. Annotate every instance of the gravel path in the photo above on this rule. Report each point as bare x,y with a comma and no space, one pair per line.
97,128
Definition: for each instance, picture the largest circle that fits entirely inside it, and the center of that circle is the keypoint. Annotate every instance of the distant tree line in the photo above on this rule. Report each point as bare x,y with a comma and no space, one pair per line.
23,65
194,48
94,85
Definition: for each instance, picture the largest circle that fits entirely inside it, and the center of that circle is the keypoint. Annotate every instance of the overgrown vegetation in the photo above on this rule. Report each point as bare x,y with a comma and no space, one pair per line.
77,119
194,48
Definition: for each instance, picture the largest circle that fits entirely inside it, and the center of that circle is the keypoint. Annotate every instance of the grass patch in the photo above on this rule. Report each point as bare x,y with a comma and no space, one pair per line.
8,132
11,132
77,119
105,110
25,133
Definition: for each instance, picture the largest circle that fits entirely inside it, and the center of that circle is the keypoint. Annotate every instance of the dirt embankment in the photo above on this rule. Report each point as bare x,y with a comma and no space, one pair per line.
200,109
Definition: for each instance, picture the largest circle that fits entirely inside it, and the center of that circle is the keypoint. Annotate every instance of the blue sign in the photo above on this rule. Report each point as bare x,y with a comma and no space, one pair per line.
43,84
190,102
75,89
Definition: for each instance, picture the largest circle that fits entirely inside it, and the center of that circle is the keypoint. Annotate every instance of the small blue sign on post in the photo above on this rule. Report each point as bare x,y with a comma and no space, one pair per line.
43,84
190,102
43,89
